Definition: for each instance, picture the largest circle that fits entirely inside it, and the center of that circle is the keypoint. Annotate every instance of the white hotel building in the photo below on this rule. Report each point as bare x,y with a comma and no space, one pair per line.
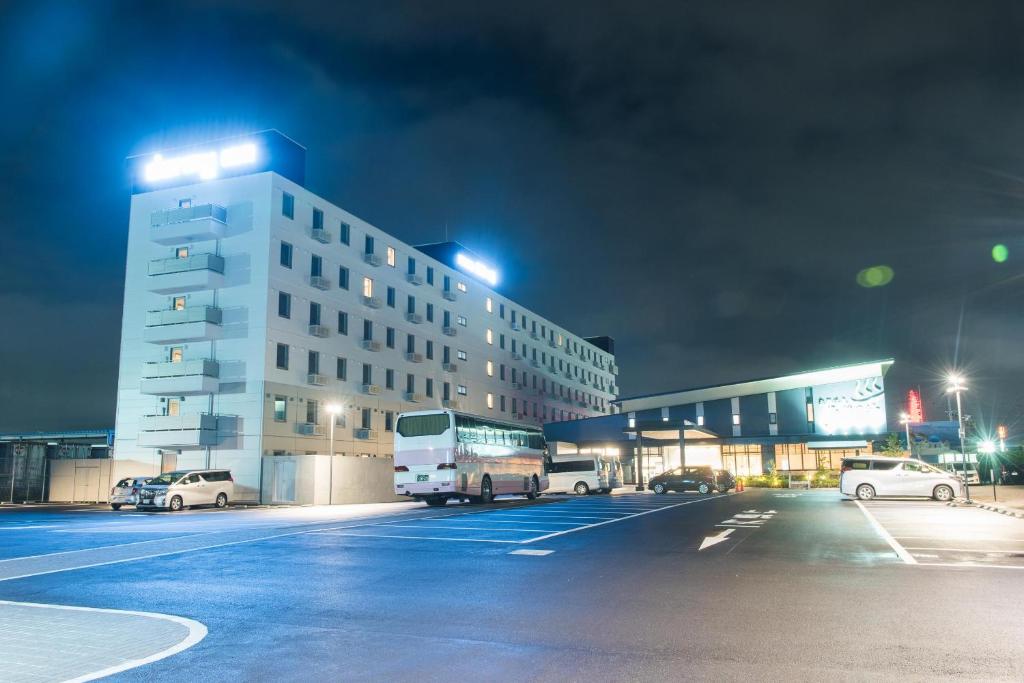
251,305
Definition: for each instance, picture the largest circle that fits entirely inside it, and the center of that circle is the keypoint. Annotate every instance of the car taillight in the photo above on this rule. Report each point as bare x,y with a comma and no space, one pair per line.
446,466
401,468
135,489
845,468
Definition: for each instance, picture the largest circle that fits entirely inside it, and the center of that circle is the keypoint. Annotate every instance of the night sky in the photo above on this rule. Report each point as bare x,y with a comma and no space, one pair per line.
702,182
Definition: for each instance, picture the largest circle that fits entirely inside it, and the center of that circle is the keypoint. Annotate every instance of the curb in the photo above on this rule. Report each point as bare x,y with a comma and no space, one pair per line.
1009,512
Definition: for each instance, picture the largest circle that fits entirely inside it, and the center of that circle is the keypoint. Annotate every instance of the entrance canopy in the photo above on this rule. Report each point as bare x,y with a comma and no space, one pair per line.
669,430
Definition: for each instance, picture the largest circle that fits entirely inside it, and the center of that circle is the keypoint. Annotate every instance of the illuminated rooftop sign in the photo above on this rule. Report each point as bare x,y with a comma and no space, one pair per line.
477,268
255,153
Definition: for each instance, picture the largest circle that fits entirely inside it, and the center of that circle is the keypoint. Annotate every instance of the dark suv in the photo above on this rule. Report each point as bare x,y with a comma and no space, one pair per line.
699,478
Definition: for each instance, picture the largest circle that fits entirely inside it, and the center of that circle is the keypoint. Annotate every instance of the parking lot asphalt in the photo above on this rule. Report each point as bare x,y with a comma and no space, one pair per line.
803,585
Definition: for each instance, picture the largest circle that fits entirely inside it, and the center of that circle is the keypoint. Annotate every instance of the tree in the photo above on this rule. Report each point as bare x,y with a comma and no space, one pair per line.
894,447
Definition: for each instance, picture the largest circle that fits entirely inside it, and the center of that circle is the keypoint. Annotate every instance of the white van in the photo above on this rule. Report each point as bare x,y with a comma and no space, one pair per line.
959,468
186,488
577,473
870,476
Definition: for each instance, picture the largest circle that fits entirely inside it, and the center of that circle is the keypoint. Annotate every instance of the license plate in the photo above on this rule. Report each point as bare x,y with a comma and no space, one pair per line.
422,477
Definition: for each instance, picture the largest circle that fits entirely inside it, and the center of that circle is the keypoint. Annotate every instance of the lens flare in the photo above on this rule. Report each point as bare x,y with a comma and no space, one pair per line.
875,276
1000,253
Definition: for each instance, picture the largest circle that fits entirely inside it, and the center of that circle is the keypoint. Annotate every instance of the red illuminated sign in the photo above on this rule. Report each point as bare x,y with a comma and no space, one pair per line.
914,409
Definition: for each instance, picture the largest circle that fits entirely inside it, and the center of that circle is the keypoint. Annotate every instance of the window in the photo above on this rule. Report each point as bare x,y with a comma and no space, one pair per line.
460,354
424,425
391,256
410,343
446,391
287,205
173,406
501,403
342,277
447,319
447,286
410,304
490,368
410,383
411,266
773,418
700,420
501,342
318,219
280,409
389,379
501,372
368,243
316,266
178,304
391,297
176,354
342,369
366,418
286,255
345,232
501,314
282,356
314,313
367,373
430,350
490,336
490,401
430,387
367,287
313,363
489,305
185,203
461,390
342,322
181,252
461,286
430,313
389,421
390,338
368,330
810,412
430,275
735,419
461,320
284,304
312,411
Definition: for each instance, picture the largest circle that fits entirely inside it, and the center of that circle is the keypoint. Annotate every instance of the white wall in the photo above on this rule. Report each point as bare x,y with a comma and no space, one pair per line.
306,479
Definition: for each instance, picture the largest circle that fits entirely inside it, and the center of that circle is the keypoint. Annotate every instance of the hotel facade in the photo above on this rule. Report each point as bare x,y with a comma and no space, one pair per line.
253,307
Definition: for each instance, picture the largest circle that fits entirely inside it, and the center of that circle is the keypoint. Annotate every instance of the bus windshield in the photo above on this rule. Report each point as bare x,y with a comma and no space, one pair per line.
423,425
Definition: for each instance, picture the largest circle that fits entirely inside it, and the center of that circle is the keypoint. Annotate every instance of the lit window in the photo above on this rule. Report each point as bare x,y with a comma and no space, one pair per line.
182,252
632,423
490,368
559,340
179,303
173,406
461,320
280,409
461,286
489,305
490,401
810,412
367,287
461,389
177,354
461,354
735,418
700,420
391,256
490,337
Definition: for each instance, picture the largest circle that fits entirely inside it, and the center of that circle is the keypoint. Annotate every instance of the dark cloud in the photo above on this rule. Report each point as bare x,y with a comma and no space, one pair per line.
701,181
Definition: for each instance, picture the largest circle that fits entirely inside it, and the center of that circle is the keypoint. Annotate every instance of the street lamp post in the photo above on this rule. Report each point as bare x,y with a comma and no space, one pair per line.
333,409
905,421
956,386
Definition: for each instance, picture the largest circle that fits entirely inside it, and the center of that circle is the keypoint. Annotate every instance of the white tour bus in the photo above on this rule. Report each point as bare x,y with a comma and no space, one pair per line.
582,473
442,454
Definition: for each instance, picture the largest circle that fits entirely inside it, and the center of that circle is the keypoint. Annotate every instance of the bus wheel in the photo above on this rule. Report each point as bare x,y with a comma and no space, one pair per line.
581,488
486,491
436,501
534,488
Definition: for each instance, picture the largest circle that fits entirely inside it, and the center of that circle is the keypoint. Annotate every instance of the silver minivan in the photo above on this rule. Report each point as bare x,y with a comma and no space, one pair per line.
187,488
867,477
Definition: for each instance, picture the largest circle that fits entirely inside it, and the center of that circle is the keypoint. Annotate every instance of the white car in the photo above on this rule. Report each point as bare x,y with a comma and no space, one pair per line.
126,491
958,469
867,477
579,474
186,488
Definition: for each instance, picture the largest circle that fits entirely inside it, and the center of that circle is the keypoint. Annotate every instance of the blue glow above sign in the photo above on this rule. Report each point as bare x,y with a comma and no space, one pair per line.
477,268
205,165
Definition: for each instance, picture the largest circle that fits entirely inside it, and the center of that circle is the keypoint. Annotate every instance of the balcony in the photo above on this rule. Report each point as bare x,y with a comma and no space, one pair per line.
515,326
449,331
414,357
412,397
194,323
191,224
452,404
534,335
319,330
449,295
189,274
320,235
319,282
371,389
414,318
372,259
552,343
178,431
414,279
187,378
371,345
309,429
316,379
450,367
372,302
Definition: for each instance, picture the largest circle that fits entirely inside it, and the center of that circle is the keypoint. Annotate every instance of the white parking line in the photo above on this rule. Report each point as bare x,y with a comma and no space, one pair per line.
973,550
531,551
610,521
880,530
415,538
464,528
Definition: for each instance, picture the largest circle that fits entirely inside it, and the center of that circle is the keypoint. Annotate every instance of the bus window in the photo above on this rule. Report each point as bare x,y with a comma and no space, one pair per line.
423,425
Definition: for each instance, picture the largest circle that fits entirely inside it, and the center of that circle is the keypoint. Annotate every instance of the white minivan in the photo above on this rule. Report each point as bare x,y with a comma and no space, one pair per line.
186,488
577,473
867,477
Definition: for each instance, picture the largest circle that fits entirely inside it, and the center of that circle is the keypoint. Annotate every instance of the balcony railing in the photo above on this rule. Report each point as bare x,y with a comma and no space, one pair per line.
167,266
372,259
372,302
320,235
412,397
371,345
319,330
414,318
452,404
414,279
194,323
309,429
188,224
178,431
449,295
414,357
185,378
449,331
450,367
316,379
179,316
371,389
364,434
319,282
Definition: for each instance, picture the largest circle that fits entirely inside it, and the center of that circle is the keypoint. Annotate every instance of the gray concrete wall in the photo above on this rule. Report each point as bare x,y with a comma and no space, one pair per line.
307,480
80,481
